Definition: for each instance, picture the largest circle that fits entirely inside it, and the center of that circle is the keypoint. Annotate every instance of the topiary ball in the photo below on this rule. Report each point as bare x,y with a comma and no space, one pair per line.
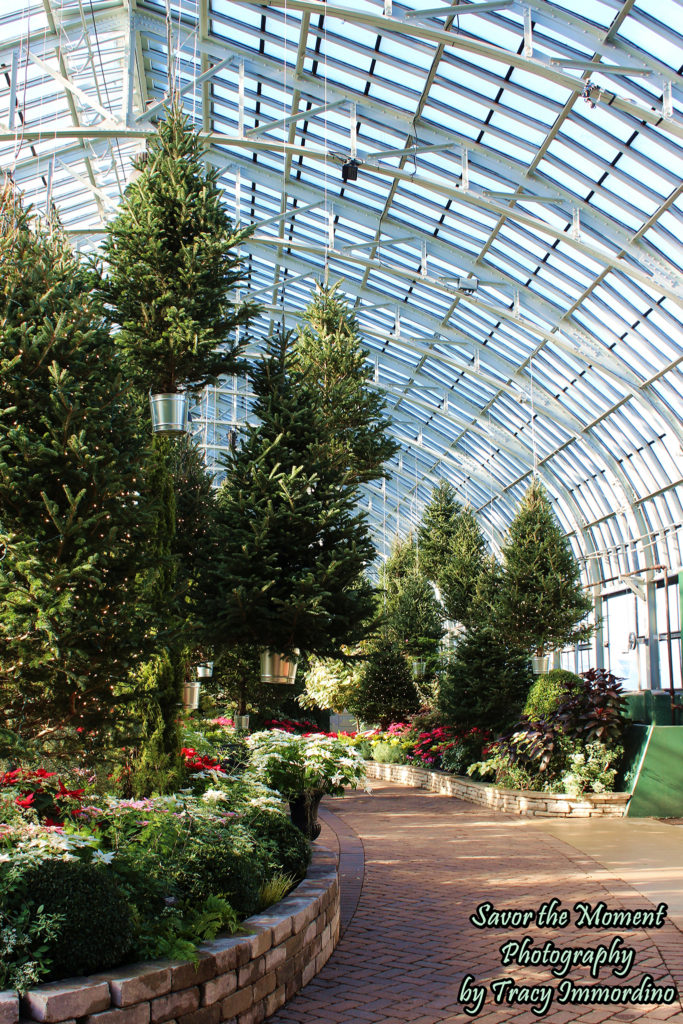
96,932
549,691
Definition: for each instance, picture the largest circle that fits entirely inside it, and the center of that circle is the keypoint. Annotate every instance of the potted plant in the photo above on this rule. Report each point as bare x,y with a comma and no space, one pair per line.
173,270
304,769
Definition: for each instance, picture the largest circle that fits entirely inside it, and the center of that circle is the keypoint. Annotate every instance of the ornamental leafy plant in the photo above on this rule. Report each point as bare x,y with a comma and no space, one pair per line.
72,521
173,267
541,603
294,764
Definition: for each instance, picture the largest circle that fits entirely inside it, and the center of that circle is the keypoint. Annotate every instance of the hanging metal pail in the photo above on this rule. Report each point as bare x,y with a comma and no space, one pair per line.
540,664
169,413
191,695
419,668
205,670
275,668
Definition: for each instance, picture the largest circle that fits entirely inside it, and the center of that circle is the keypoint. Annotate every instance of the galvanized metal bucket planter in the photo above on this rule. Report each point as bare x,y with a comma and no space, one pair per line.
419,668
276,668
191,695
205,670
540,664
169,413
241,723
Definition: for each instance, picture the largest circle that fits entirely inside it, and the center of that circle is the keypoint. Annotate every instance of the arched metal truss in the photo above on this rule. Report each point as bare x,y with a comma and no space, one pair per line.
511,244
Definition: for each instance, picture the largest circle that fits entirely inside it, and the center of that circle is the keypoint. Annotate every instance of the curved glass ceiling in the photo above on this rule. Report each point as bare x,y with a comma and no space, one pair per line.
511,243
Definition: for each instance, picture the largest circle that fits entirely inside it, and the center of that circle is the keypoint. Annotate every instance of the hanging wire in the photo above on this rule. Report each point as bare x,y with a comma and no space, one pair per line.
533,419
325,143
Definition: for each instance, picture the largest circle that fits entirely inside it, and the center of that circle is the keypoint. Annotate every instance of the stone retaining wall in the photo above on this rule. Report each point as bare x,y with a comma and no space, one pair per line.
240,979
513,801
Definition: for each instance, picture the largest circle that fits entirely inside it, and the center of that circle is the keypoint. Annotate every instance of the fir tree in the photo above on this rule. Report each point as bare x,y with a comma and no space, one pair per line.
411,614
71,520
155,691
291,569
463,566
386,692
486,681
437,530
330,355
173,270
541,603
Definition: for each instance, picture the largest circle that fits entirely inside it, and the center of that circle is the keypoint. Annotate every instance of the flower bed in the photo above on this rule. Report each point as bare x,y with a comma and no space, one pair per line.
239,978
526,802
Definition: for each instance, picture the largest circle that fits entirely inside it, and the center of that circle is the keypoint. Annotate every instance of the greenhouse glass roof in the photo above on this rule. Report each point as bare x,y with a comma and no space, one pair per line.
511,245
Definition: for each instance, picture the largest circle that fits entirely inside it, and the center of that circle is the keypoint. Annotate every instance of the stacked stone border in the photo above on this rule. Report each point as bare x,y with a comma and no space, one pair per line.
238,979
512,801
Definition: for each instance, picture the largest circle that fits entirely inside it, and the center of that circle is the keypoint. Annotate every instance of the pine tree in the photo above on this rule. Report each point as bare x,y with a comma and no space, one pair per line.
486,681
195,539
437,530
330,355
452,552
541,602
173,270
464,564
291,570
411,613
386,692
71,520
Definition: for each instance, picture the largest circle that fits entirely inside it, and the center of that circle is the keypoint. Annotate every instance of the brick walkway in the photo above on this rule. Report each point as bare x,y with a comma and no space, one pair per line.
429,862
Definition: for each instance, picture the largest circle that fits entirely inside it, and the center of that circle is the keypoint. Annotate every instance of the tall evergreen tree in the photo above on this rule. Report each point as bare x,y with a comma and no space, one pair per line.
464,564
437,530
541,603
411,613
295,549
173,268
71,519
386,692
486,681
330,355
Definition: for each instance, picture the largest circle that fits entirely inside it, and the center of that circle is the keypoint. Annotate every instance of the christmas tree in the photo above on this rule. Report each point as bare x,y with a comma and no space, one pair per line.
437,530
411,613
486,681
464,564
541,603
386,692
173,268
330,355
291,572
71,521
452,552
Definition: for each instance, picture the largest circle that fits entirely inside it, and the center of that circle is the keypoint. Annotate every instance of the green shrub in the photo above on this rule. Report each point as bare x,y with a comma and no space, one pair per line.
288,850
387,752
26,932
96,927
549,691
226,862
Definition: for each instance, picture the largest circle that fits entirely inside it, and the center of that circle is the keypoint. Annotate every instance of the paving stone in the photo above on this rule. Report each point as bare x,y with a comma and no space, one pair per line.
430,860
137,1014
60,1000
174,1005
9,1007
137,982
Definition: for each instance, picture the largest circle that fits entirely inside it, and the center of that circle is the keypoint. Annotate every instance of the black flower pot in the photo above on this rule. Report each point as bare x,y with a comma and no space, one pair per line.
303,810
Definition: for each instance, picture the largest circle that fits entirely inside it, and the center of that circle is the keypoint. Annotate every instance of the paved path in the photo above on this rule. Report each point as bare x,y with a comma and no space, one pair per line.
429,862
